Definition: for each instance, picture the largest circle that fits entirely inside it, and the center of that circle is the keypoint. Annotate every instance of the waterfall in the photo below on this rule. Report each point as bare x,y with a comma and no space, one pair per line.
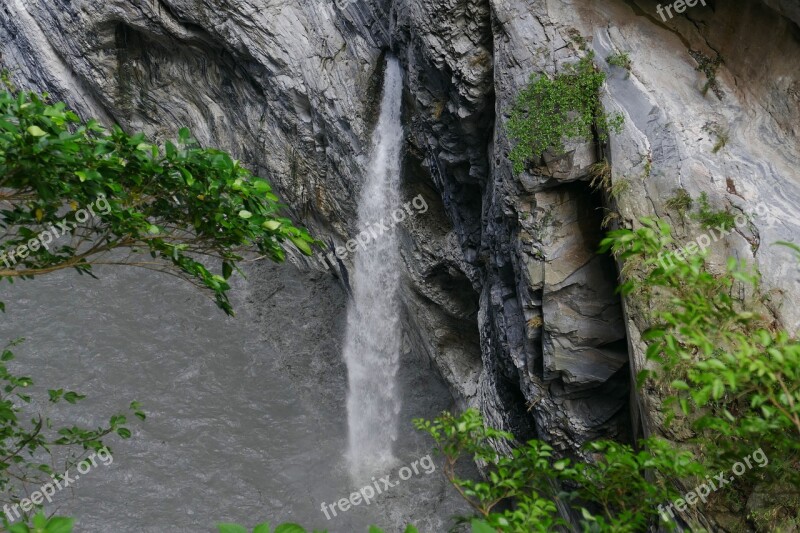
372,345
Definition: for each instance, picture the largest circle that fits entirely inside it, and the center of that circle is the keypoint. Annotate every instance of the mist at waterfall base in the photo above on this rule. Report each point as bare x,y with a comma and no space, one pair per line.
373,335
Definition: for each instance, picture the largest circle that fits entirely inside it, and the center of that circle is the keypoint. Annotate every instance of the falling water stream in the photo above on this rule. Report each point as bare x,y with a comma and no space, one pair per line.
372,345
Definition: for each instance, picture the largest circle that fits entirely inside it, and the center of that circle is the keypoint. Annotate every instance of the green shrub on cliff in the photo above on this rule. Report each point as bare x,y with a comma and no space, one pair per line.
620,491
733,376
547,111
733,380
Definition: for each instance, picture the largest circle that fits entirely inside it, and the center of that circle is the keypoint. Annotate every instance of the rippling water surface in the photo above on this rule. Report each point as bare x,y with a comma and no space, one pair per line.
246,416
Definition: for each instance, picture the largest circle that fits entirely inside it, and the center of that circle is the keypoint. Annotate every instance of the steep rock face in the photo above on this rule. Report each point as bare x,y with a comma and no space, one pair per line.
548,318
280,85
505,292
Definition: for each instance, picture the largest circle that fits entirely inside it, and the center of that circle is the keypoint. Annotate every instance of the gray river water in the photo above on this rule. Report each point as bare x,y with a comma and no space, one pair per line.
246,415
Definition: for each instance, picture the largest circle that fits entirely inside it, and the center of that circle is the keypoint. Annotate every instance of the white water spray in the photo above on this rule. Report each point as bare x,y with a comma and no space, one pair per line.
372,346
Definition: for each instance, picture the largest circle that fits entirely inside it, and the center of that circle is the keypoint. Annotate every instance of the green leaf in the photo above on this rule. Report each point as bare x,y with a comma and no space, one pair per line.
73,397
244,213
261,186
187,176
271,225
60,524
480,526
679,384
262,528
36,131
39,521
301,245
231,528
289,528
227,269
125,433
411,529
717,389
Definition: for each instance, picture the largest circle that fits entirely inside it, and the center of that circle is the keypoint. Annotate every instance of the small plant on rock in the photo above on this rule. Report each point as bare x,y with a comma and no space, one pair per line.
722,135
680,202
709,67
621,60
710,218
548,111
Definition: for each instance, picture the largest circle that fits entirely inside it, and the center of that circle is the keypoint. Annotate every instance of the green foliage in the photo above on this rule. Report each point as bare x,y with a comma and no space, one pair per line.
709,67
519,490
710,218
602,180
181,204
622,60
722,140
576,37
619,188
600,174
733,376
523,477
41,524
722,135
549,110
27,439
680,202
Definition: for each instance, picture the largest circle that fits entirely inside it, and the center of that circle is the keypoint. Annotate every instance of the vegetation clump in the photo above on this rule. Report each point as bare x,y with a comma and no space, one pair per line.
722,135
710,218
601,180
681,202
177,203
621,60
709,67
548,111
577,38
